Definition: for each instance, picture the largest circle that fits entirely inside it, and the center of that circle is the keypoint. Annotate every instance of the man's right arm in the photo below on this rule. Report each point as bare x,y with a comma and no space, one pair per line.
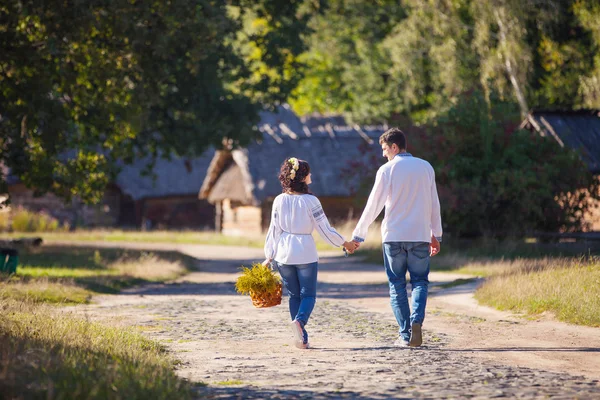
375,204
436,218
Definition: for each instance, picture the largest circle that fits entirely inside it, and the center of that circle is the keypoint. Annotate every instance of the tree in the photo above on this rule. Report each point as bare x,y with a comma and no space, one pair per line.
588,14
497,180
85,85
378,60
346,65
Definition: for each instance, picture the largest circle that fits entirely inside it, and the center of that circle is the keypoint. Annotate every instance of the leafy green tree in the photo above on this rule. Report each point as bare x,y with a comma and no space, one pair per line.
497,180
347,68
378,60
588,14
87,84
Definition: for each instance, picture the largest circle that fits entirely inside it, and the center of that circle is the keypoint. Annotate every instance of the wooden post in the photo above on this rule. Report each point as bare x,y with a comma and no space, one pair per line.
219,216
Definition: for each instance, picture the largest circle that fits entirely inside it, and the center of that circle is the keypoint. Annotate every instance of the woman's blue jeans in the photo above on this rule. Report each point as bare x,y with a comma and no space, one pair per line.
398,258
301,283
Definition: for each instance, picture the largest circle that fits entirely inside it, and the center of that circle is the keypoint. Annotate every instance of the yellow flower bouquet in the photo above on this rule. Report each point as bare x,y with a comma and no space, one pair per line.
261,283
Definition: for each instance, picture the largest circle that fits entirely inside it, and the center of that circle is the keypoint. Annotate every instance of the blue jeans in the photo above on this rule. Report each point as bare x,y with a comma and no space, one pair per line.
301,283
398,257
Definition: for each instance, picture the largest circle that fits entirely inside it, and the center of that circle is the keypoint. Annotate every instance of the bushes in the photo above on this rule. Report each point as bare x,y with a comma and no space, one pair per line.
27,221
494,179
497,180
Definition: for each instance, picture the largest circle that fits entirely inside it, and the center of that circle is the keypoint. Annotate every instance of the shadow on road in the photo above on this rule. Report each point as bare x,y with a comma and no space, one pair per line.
324,290
256,393
532,349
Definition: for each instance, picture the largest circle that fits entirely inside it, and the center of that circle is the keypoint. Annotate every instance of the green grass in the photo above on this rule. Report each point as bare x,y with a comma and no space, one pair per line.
569,288
181,237
72,275
45,354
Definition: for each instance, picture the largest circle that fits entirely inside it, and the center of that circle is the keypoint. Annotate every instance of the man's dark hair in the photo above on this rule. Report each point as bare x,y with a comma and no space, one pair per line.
394,135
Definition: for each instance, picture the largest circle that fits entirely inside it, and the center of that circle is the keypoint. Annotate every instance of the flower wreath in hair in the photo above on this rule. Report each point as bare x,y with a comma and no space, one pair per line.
295,165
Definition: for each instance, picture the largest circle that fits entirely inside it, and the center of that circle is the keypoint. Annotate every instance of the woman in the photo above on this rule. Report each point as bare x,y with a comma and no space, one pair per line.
296,213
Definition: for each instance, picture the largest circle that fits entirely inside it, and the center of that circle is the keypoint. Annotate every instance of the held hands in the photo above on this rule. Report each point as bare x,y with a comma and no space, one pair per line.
351,246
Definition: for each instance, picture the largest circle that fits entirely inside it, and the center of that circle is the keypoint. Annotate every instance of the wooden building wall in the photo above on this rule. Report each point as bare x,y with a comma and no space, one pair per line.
177,212
239,220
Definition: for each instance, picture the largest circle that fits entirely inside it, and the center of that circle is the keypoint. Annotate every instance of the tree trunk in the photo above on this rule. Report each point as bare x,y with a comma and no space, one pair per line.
509,68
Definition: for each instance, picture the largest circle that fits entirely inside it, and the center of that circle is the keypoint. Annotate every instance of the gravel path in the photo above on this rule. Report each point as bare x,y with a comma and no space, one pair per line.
233,350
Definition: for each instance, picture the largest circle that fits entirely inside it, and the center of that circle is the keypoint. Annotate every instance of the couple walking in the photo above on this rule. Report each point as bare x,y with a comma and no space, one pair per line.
411,233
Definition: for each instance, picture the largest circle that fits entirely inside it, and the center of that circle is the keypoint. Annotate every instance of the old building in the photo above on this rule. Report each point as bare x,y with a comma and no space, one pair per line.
167,199
242,183
578,130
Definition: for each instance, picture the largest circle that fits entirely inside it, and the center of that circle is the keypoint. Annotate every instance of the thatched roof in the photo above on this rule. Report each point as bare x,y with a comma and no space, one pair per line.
579,130
325,142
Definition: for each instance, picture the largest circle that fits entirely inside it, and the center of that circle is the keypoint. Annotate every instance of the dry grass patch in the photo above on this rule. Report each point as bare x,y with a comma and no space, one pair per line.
150,267
45,354
44,291
567,287
67,275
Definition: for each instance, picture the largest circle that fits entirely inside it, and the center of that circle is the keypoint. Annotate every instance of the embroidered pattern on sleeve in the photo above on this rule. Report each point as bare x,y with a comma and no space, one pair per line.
318,213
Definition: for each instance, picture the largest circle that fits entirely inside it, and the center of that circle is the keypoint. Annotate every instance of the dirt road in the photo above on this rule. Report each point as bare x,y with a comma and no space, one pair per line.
239,351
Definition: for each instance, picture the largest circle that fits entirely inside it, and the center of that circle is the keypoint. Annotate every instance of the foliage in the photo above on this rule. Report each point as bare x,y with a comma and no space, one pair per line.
257,279
496,180
28,221
588,13
375,60
88,85
49,355
346,67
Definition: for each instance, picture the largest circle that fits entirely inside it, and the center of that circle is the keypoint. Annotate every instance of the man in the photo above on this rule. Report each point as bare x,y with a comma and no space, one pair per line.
411,230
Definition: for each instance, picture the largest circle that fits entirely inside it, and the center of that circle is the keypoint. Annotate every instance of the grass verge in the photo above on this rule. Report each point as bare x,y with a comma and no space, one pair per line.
569,288
182,237
73,275
45,354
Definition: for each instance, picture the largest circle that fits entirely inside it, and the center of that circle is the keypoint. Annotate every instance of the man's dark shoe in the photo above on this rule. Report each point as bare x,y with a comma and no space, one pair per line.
416,336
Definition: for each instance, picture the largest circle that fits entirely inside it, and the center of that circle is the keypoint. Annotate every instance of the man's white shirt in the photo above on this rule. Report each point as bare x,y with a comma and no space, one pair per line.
405,186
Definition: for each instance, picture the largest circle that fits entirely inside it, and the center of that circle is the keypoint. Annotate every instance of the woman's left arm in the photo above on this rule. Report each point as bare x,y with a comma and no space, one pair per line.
321,223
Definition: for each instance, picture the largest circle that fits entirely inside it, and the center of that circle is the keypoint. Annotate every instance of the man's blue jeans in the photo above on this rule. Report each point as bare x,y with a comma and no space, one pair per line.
399,257
301,284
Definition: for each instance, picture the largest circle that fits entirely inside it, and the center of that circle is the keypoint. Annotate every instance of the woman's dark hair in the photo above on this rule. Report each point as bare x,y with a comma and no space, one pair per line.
297,184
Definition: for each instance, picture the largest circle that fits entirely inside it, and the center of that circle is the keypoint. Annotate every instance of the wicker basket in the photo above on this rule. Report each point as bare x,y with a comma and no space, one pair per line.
263,300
